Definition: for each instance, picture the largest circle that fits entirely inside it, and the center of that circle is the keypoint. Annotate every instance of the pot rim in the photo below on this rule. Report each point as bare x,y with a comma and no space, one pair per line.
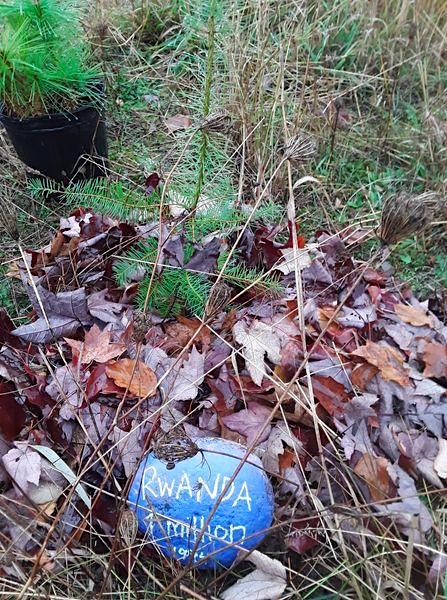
54,116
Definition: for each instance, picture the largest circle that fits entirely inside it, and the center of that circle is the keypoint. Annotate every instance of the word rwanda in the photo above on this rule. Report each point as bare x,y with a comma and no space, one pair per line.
154,486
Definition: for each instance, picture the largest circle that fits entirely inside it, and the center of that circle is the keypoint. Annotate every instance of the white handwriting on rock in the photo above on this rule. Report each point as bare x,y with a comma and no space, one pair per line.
157,487
192,530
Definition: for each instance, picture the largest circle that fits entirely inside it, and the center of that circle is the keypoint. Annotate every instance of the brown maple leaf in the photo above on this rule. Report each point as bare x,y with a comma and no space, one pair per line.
387,359
373,470
134,376
95,347
414,315
181,331
435,359
362,374
330,394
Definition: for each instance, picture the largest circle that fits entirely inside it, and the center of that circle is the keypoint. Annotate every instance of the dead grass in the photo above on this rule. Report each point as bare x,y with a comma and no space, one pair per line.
367,80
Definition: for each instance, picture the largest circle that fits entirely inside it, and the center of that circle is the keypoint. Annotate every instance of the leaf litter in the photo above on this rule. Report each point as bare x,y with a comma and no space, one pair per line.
88,373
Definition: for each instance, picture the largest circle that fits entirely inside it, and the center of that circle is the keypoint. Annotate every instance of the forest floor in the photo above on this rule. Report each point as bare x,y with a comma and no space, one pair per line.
207,95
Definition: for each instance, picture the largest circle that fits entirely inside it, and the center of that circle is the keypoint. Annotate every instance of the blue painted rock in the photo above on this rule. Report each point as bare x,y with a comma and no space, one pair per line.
173,504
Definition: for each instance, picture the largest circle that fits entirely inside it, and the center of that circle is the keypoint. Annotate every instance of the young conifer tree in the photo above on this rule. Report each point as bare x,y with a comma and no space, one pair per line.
45,65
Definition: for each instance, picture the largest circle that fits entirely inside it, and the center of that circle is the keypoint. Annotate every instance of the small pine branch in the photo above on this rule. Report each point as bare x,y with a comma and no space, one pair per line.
140,257
163,297
223,217
114,198
174,290
242,277
195,291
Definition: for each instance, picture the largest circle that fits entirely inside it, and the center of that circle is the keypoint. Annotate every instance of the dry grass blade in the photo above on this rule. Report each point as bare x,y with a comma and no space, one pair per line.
301,148
406,215
8,216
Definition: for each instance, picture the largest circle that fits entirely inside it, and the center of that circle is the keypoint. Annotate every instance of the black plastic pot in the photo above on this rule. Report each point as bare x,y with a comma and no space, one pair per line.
63,146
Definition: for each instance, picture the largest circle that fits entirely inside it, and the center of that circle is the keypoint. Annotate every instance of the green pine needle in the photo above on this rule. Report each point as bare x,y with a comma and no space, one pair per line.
242,277
114,198
44,61
174,291
143,256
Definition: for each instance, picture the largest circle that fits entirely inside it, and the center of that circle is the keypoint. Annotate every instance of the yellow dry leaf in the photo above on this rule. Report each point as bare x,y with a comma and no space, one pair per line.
387,359
134,376
414,315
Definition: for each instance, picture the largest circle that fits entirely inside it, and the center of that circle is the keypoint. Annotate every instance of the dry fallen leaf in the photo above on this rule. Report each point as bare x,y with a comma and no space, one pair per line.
258,340
129,448
291,261
414,315
331,394
23,465
440,463
183,329
187,380
435,359
267,582
177,122
96,346
387,359
373,470
249,421
133,375
362,374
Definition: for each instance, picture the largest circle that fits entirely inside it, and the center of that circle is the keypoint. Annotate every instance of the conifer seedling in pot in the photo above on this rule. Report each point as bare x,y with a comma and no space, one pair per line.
51,89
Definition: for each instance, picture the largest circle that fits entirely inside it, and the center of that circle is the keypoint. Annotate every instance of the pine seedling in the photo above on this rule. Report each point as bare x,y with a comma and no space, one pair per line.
44,62
206,110
244,277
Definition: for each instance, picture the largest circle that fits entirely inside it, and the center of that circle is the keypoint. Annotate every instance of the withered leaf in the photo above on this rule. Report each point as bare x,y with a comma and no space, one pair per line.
258,340
182,330
64,313
304,535
205,259
267,581
23,466
249,421
387,359
440,462
331,394
177,122
133,375
129,448
414,315
435,359
188,378
43,331
96,346
104,310
279,439
373,470
12,415
362,374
